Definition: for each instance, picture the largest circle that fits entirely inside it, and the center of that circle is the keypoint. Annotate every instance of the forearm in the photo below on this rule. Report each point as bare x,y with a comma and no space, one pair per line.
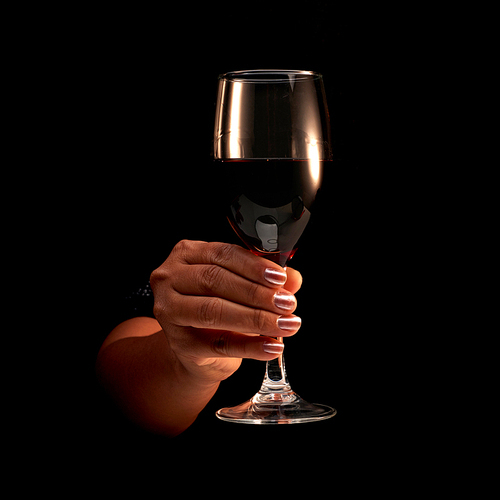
149,384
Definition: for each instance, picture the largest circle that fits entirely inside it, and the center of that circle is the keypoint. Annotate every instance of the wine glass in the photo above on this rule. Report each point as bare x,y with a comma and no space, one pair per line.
271,143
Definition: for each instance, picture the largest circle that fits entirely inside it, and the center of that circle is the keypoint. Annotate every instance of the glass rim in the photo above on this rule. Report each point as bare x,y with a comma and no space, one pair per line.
269,75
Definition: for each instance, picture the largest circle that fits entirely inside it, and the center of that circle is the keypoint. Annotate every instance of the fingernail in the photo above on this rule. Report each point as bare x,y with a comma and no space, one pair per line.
274,276
284,300
290,323
273,347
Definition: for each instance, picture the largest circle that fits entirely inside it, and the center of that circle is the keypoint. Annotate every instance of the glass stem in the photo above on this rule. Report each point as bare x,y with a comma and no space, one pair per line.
275,380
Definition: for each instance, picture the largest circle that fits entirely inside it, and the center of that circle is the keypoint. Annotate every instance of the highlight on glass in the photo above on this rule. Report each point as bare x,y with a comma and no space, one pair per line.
271,144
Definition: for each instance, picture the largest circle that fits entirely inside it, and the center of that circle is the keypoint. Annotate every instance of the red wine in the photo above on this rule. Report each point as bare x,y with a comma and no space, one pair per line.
269,202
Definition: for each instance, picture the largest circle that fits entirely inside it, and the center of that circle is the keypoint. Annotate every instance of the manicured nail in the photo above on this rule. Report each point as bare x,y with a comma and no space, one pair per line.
284,300
290,323
274,276
273,347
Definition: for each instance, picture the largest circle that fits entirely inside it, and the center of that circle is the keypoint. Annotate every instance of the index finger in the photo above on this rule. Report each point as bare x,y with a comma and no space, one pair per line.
234,258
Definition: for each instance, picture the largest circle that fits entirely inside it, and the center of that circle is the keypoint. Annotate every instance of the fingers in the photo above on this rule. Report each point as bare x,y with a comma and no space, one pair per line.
215,281
219,300
226,287
233,258
230,272
205,344
218,313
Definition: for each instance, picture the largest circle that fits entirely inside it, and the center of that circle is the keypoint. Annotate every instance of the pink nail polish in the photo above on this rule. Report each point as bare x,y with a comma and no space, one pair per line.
284,300
273,347
274,276
289,323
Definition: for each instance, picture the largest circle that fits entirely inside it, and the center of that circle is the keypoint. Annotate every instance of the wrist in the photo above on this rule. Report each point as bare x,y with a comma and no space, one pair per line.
188,372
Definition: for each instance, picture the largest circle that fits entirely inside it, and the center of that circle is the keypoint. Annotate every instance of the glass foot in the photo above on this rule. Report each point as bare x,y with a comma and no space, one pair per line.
276,408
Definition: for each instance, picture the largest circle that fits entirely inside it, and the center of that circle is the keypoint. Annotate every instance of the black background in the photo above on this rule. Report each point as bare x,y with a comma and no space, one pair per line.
141,97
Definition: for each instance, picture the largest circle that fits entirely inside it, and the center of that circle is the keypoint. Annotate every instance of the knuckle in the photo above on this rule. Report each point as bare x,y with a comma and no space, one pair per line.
210,278
165,272
260,320
157,310
157,275
154,278
160,282
183,245
253,293
210,312
222,253
220,344
183,248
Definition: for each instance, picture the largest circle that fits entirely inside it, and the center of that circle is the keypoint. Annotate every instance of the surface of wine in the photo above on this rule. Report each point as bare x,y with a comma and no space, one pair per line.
269,202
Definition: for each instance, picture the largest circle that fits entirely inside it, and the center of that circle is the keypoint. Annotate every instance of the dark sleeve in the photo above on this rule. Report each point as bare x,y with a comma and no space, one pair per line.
138,302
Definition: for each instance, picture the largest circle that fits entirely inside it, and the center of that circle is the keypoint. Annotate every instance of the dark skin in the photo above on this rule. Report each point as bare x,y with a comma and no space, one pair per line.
215,304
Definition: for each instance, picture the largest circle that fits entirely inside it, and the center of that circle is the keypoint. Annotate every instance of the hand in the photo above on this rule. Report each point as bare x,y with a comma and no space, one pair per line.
218,303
